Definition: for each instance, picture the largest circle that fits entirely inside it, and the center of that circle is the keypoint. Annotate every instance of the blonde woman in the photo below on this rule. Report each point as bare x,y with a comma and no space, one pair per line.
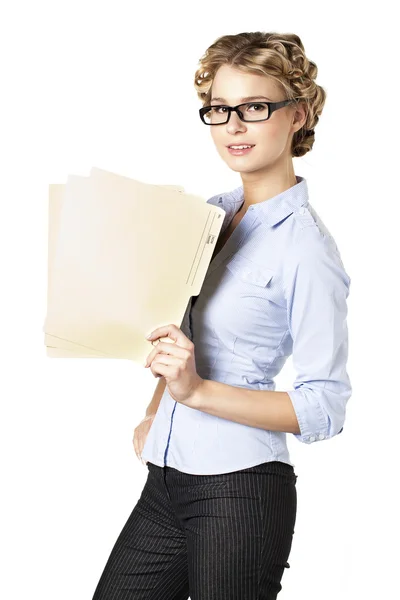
216,517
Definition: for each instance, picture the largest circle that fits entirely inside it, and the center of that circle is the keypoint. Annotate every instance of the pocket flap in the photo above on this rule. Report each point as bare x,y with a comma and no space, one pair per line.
248,271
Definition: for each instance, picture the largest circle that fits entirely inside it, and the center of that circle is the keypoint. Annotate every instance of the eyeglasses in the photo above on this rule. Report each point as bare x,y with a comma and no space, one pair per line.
212,115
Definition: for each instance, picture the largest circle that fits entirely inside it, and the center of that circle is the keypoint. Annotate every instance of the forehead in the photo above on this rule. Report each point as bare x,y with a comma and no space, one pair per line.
232,84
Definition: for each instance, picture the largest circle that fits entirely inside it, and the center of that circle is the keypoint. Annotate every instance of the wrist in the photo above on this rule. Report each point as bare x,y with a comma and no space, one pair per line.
148,416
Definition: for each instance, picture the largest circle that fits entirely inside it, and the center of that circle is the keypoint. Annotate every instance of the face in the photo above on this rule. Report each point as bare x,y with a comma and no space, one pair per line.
271,138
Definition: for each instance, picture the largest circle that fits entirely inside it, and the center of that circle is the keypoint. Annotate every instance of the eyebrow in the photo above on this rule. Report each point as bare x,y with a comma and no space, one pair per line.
247,98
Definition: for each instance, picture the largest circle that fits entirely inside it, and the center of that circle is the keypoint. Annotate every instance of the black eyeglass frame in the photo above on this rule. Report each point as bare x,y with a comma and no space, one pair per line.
272,106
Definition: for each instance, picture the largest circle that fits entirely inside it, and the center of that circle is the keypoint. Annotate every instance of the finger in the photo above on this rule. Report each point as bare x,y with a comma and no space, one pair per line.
167,349
173,332
161,347
160,367
136,446
162,339
140,445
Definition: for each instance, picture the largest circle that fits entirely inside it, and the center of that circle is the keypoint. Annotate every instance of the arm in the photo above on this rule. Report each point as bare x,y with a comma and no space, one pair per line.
316,288
155,401
255,408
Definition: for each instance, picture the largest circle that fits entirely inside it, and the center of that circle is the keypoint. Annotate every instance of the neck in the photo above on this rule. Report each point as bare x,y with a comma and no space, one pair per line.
260,187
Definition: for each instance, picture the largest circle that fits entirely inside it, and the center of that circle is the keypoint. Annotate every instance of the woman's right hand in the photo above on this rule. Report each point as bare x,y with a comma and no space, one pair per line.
140,435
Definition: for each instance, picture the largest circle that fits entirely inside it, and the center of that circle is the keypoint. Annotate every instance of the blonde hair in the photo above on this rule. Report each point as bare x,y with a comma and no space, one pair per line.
281,57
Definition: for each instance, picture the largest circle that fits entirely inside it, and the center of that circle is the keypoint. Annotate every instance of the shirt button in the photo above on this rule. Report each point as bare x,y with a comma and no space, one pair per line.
302,210
312,438
321,436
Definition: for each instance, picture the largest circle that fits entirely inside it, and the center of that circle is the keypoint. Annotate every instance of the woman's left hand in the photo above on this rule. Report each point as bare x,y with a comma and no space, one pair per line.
176,362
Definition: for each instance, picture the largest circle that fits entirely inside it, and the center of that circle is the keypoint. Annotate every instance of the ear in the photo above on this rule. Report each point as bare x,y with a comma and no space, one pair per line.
299,116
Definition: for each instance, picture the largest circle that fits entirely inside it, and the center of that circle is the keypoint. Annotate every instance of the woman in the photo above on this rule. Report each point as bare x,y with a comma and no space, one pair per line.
216,517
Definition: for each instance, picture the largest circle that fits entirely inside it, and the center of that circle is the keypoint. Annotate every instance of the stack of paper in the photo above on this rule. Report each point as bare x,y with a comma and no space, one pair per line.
124,257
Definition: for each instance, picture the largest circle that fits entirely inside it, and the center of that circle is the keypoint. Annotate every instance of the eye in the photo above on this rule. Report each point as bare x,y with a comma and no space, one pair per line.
262,106
216,109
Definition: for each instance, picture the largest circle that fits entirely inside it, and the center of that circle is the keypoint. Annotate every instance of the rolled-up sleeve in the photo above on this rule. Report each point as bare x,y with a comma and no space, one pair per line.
316,289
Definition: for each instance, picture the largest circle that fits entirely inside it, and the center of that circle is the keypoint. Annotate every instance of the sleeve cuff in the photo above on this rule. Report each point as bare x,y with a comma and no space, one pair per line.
312,423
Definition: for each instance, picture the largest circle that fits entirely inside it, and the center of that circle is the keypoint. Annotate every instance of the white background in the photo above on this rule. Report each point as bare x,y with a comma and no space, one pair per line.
74,79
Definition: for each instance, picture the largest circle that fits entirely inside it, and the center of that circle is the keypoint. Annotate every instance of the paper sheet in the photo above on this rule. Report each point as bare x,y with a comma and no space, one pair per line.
124,258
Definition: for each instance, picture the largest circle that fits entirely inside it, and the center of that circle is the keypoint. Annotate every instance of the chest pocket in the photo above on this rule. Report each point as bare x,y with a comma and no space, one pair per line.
255,316
249,272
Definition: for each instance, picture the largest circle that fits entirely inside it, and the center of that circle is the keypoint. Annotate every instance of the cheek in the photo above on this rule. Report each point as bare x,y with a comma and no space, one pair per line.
272,142
271,133
219,144
215,135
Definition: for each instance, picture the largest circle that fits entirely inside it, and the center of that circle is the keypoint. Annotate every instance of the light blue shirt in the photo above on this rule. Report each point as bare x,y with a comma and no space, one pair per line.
277,288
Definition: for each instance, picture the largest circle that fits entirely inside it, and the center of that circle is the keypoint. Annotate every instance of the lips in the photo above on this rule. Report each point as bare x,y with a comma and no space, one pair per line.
240,151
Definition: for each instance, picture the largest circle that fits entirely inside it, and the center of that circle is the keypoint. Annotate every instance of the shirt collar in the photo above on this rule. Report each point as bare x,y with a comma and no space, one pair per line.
273,210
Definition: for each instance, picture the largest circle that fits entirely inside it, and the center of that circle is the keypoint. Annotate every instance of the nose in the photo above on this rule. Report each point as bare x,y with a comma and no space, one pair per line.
235,122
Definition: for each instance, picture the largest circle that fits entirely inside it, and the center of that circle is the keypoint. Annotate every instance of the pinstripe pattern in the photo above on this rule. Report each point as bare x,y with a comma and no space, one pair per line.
208,537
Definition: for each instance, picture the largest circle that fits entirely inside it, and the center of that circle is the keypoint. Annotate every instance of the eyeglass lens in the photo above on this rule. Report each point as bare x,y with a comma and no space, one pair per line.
251,112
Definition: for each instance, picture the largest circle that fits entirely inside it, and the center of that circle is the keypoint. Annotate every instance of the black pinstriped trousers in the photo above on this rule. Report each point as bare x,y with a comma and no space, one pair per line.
207,537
